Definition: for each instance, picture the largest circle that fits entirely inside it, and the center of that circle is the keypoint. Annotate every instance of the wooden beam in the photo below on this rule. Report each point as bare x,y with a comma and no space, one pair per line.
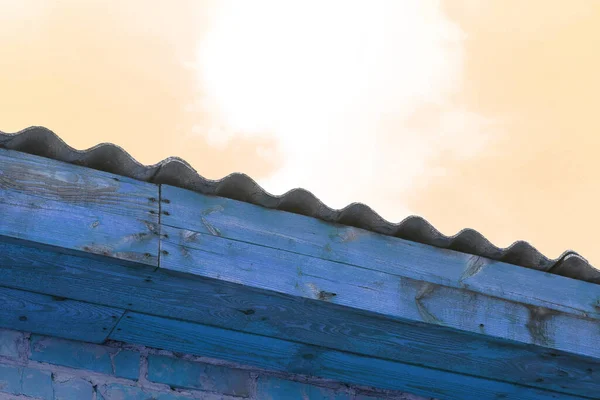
56,316
270,314
77,208
282,355
390,296
295,233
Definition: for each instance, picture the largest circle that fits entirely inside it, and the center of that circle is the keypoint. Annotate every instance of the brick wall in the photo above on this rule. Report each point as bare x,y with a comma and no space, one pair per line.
40,367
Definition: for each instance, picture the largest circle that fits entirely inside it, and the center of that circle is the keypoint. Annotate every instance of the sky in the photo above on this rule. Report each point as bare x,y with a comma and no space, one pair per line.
468,113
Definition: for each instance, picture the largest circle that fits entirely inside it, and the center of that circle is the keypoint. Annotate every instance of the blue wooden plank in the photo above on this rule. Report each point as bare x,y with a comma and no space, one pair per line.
426,285
304,235
102,234
282,355
79,186
231,306
56,316
376,292
76,208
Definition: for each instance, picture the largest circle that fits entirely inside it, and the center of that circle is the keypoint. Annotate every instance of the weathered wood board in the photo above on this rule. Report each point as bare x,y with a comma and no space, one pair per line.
228,279
56,316
377,292
241,308
293,357
295,233
71,207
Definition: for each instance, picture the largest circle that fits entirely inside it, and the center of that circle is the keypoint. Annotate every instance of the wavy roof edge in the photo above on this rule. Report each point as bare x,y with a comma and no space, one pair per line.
177,172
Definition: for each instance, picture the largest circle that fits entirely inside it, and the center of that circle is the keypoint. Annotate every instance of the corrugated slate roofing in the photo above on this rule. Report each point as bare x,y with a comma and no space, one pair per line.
177,172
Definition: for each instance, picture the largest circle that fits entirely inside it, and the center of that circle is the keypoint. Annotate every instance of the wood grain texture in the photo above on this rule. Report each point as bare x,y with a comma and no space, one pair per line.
282,290
376,292
76,185
282,355
309,236
236,307
77,208
56,316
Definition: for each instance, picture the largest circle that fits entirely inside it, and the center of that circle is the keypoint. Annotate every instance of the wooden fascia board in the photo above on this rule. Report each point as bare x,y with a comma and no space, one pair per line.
56,315
77,208
300,256
65,318
292,263
295,233
184,297
288,356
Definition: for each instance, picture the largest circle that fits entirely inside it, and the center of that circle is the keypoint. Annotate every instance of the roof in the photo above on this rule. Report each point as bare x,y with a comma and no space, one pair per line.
177,172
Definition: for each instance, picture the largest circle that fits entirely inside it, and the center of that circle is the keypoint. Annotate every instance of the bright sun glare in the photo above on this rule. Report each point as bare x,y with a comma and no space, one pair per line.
325,75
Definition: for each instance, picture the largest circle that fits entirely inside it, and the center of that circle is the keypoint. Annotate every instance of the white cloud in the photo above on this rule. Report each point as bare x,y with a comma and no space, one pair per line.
335,83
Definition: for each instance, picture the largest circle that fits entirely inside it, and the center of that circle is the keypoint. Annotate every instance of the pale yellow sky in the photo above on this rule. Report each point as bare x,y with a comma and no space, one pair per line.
469,113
